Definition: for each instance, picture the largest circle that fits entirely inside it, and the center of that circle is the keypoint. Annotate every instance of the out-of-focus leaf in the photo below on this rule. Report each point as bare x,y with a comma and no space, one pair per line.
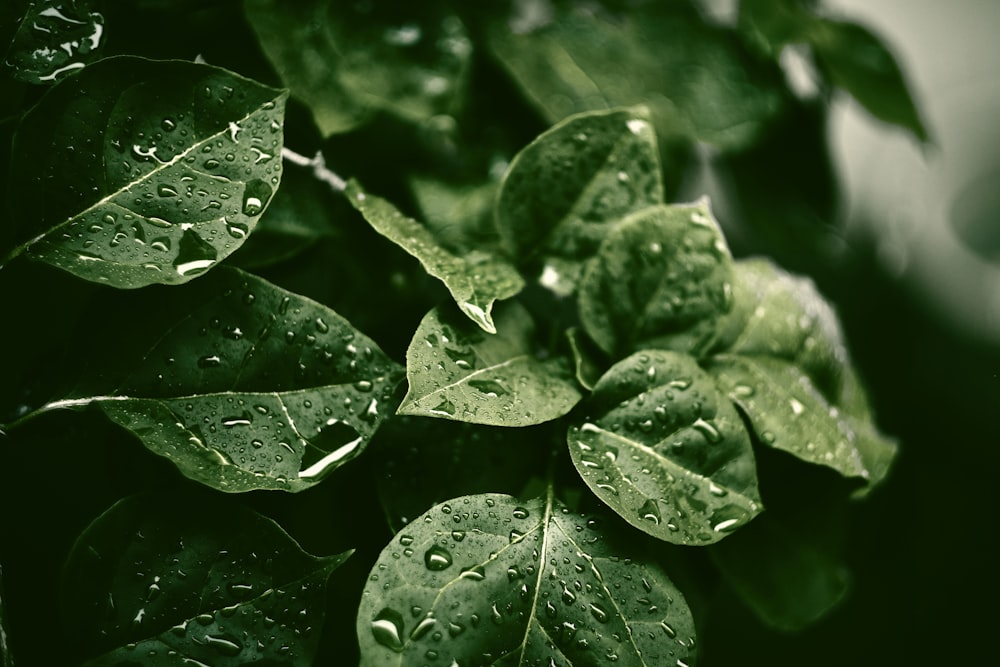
135,171
55,38
489,580
666,450
476,279
566,189
457,371
588,359
6,656
241,384
698,81
662,278
189,579
346,61
460,217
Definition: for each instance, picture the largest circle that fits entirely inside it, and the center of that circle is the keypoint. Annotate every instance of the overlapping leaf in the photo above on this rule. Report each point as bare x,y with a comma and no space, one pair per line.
567,189
457,371
661,278
475,279
241,384
487,580
666,451
54,39
136,172
191,579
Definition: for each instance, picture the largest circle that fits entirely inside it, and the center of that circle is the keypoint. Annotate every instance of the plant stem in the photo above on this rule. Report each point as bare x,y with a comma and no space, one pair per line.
66,403
318,164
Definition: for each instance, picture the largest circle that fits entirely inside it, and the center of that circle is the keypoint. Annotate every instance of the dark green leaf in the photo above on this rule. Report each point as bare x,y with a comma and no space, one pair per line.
665,450
487,580
697,80
771,24
345,62
566,189
136,171
788,581
859,62
457,371
6,656
476,279
241,384
458,216
662,278
587,358
55,38
193,579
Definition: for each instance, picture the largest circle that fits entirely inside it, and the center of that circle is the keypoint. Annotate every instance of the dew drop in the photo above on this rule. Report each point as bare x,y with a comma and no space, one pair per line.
256,194
437,558
598,613
520,513
650,511
387,629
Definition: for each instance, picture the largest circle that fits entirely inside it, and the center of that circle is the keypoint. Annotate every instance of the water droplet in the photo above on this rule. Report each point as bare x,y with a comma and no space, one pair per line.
707,429
387,629
194,254
667,628
237,230
245,419
405,540
515,536
423,627
444,407
458,535
475,573
599,613
520,513
209,361
363,385
650,511
550,610
568,596
455,629
166,191
168,125
437,558
256,194
226,645
490,388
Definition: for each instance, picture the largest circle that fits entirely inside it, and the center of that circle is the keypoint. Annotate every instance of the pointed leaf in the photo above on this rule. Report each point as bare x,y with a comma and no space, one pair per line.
787,580
459,216
487,580
136,171
456,371
241,384
666,451
193,579
55,38
662,278
476,279
567,188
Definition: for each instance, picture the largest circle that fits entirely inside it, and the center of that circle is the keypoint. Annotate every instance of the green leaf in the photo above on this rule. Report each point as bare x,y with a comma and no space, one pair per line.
55,38
193,579
567,188
135,171
860,63
788,412
241,384
698,81
787,580
456,371
476,279
666,451
508,583
6,656
662,278
459,216
588,359
346,62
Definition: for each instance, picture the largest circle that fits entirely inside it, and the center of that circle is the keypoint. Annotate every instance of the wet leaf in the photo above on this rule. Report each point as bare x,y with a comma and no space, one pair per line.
241,384
347,62
475,279
662,278
486,579
666,451
698,81
566,189
136,171
56,38
193,579
787,580
459,216
457,371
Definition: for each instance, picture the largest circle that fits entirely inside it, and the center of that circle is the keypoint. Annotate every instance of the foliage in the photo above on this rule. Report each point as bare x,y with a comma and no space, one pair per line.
574,381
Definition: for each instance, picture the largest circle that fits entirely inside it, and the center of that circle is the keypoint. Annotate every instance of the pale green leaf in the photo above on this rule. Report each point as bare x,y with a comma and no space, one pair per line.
241,384
566,189
666,451
135,171
476,279
55,38
588,360
457,371
488,580
662,278
193,579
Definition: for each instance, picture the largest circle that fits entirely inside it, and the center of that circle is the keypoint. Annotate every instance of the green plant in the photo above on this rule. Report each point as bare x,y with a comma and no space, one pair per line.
550,383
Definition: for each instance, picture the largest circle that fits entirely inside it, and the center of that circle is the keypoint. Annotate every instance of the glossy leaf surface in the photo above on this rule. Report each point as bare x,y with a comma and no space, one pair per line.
55,38
666,450
488,580
176,579
565,190
345,62
138,172
457,371
252,388
662,278
476,279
